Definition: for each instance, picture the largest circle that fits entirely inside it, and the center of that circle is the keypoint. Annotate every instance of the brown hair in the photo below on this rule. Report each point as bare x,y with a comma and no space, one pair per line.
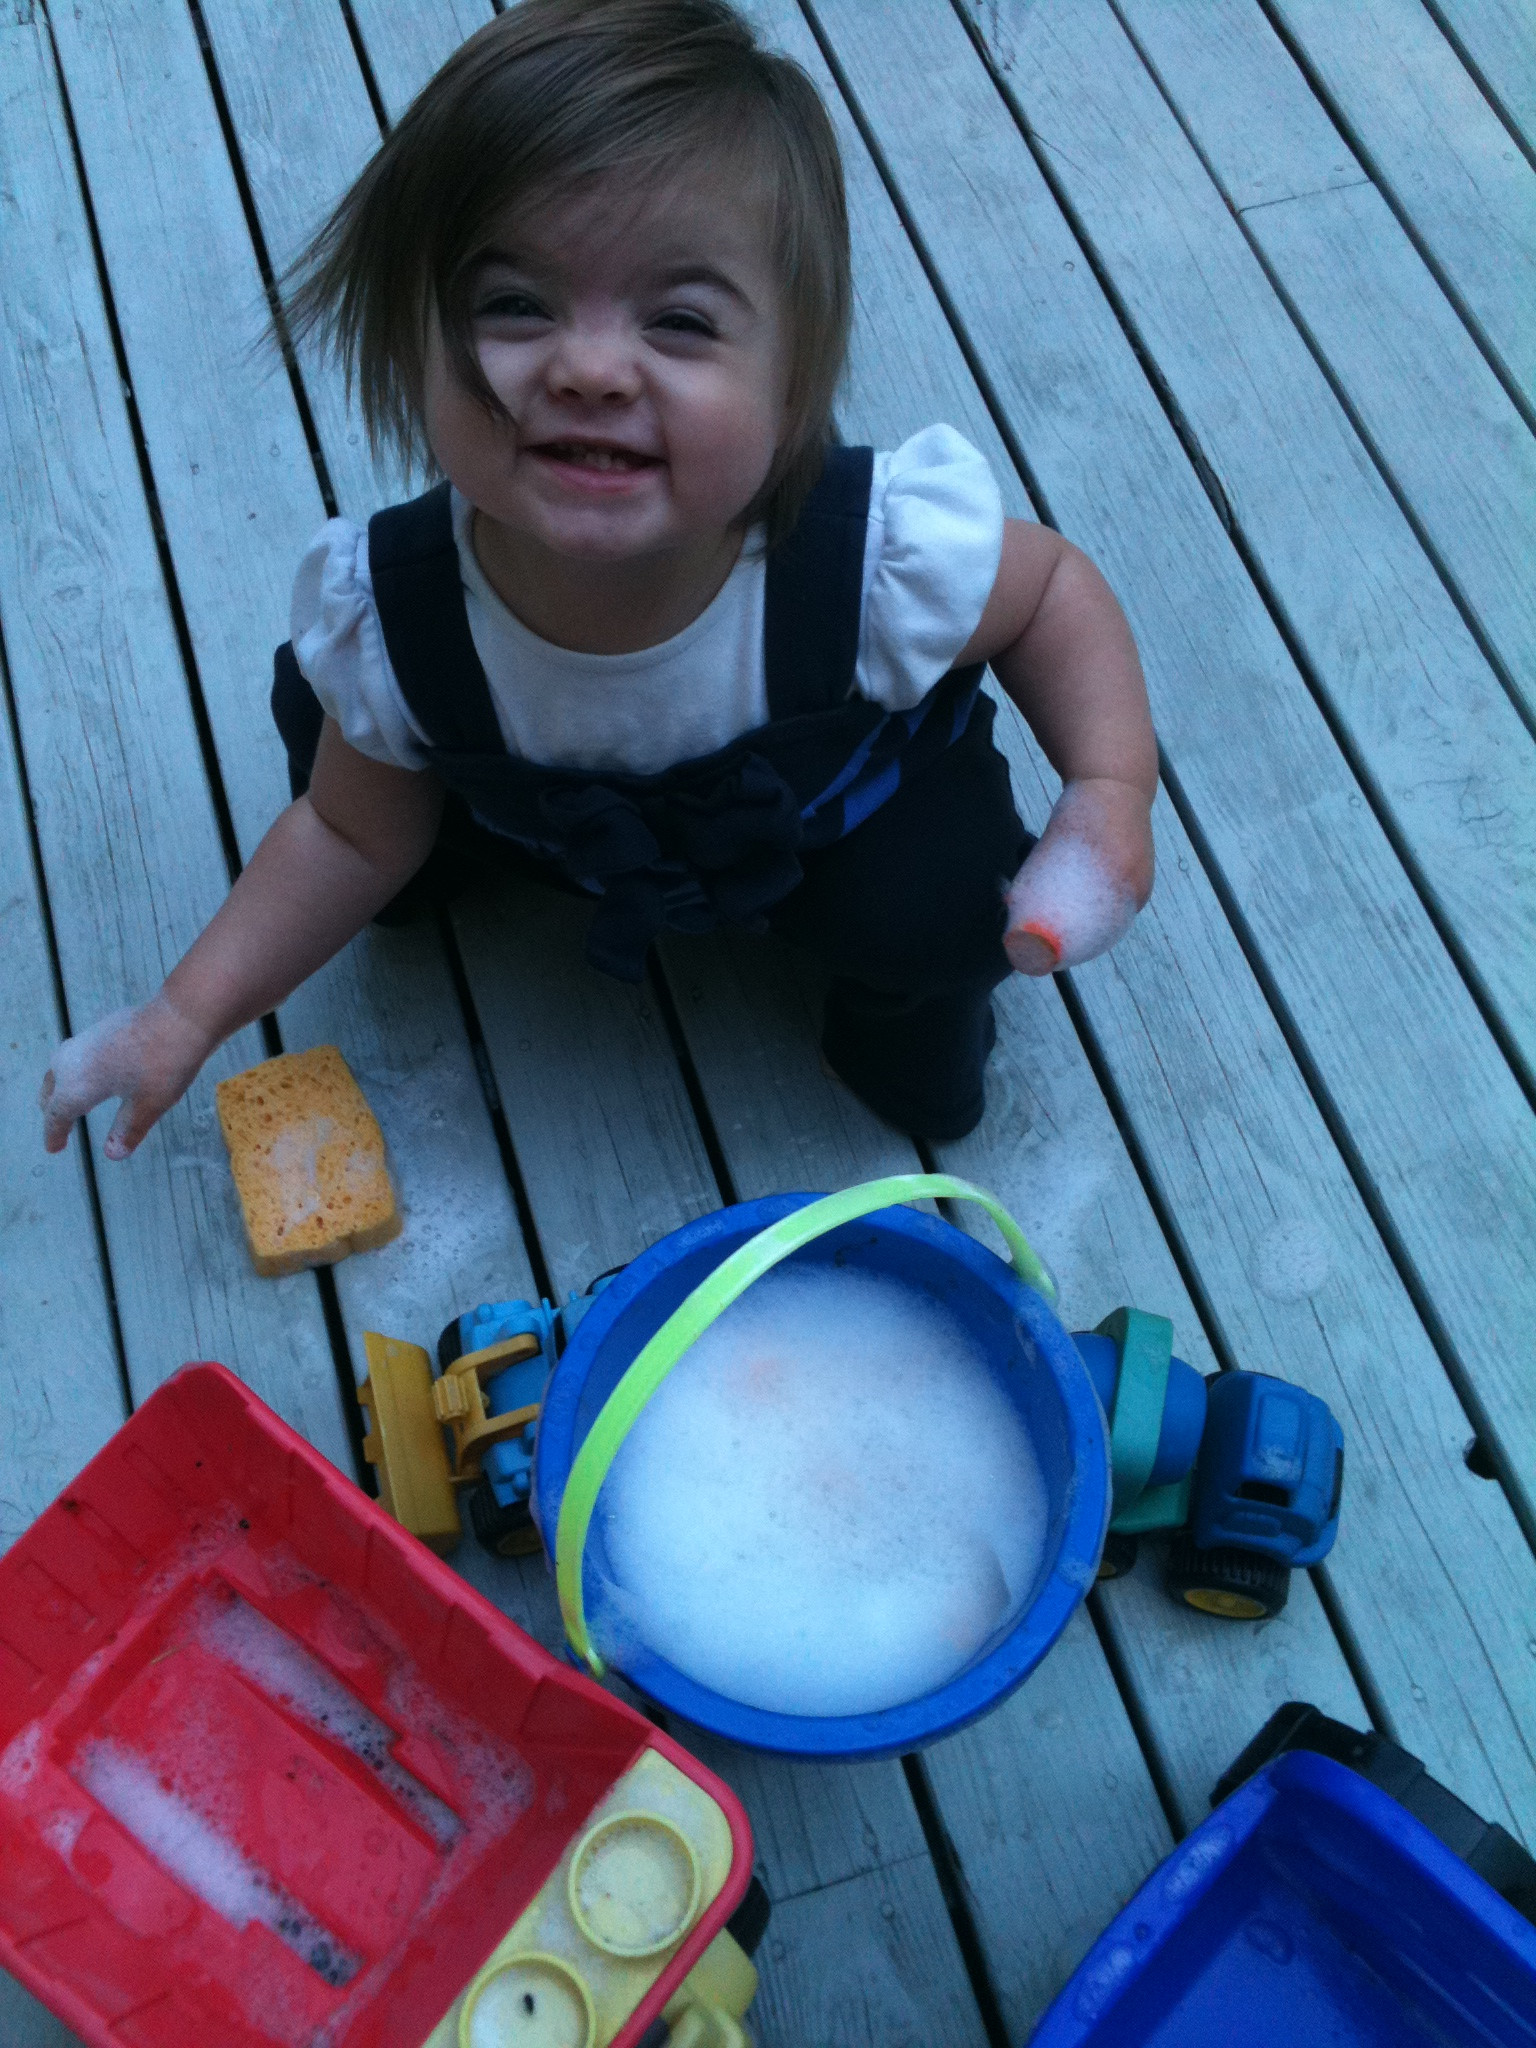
550,94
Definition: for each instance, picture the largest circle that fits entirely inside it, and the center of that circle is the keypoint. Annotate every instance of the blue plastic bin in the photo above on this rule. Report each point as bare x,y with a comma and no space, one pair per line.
1309,1910
1029,1350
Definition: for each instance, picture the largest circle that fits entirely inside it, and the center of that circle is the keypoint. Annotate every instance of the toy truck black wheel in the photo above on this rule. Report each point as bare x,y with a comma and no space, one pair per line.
1120,1553
749,1923
450,1345
1238,1585
504,1532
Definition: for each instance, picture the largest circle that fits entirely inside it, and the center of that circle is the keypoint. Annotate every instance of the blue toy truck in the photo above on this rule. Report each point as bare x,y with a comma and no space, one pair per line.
470,1429
499,1503
1245,1471
1338,1894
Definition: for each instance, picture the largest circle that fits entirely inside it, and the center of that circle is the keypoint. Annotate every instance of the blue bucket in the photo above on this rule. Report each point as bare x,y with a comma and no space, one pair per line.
1012,1326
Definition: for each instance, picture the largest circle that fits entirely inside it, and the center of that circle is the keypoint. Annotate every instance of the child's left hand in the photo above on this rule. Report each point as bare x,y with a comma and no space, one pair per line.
1084,881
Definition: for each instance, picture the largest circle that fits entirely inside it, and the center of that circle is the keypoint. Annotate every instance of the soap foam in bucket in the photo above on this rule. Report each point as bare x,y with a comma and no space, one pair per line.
829,1507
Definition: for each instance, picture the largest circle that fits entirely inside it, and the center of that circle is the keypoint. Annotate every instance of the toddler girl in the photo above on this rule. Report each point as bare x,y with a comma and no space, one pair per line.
656,637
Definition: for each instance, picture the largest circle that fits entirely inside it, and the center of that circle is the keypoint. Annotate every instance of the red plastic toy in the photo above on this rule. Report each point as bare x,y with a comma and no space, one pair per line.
273,1776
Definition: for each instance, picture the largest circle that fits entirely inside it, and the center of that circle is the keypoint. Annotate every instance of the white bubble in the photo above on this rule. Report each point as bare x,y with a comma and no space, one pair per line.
1066,892
1291,1260
829,1507
205,1860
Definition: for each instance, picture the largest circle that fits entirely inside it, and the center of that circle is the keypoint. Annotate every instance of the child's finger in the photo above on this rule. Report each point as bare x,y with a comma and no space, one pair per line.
136,1117
1065,902
60,1115
1032,949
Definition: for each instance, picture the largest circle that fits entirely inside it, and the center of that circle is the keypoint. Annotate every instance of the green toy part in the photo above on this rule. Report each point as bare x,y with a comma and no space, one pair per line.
689,1321
1145,1346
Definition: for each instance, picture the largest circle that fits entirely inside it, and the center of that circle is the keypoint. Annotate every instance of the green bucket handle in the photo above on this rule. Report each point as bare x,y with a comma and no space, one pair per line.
688,1322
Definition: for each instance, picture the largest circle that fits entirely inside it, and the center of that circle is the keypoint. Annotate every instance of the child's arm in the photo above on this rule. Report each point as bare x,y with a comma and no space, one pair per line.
1059,645
332,859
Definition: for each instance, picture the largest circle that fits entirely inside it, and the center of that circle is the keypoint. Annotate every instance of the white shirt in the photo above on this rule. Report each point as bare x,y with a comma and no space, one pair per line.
930,561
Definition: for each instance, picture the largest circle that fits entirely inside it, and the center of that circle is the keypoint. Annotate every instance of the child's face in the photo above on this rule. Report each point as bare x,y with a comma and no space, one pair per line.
637,345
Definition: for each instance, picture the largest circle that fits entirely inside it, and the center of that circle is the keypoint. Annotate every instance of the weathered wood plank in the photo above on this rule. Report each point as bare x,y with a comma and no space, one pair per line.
1258,1152
1429,138
239,500
126,826
868,1960
61,1392
1436,416
406,45
1446,1140
601,1123
1364,604
26,2024
751,1011
1498,37
1053,1823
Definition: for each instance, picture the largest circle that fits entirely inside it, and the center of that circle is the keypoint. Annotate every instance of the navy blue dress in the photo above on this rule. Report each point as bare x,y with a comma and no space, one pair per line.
881,841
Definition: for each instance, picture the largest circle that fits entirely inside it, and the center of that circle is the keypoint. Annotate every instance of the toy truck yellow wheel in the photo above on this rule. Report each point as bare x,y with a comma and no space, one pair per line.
528,2001
634,1885
1119,1556
1237,1585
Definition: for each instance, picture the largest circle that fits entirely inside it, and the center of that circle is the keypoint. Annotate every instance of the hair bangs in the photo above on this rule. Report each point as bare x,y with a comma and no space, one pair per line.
554,96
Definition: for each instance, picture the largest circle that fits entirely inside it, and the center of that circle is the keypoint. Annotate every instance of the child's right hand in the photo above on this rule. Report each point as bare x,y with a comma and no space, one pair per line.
147,1057
1082,885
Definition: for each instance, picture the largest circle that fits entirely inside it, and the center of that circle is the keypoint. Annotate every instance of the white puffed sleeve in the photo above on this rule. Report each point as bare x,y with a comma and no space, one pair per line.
930,561
339,646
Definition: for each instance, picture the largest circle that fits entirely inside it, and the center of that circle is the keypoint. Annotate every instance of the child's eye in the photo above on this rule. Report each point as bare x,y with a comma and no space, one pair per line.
510,305
683,320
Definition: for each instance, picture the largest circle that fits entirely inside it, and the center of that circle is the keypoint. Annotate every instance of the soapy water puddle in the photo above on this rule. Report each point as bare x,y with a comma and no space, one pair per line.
204,1860
178,1822
828,1508
285,1671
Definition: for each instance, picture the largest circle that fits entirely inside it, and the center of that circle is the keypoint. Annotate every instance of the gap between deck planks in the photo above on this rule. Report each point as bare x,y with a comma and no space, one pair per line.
1450,442
125,822
1443,1141
1444,159
1496,40
1257,1192
1427,723
580,1234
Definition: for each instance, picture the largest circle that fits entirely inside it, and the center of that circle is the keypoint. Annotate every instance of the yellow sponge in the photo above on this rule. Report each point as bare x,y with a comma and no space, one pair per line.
308,1160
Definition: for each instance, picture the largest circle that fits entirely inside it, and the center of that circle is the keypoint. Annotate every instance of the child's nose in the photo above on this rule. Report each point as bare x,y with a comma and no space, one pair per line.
594,361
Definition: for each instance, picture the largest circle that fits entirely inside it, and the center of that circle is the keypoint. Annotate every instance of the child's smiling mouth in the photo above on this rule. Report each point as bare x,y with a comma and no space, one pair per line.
599,457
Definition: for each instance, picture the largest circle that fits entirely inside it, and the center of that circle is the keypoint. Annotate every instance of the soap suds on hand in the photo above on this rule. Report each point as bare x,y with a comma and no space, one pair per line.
1066,895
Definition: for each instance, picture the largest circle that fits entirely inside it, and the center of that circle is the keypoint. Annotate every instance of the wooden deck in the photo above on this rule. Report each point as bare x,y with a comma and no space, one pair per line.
1238,293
